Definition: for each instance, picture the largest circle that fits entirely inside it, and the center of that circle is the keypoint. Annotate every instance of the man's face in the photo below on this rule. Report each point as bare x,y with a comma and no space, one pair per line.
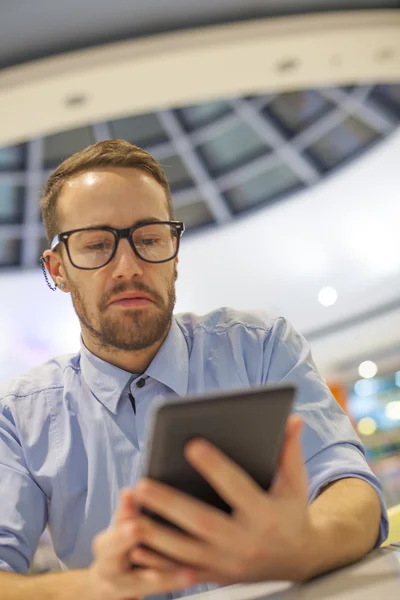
118,197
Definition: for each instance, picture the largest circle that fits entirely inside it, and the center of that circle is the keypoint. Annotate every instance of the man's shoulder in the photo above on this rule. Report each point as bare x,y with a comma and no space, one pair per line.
224,319
49,375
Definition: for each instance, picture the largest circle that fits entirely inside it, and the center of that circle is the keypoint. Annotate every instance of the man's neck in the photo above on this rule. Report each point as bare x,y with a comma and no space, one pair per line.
130,361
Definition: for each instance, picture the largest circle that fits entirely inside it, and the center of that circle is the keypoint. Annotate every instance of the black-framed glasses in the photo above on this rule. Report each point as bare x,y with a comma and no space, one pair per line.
94,247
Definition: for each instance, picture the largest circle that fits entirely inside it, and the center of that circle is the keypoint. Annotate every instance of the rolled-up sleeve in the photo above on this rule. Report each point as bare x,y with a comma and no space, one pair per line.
23,505
331,447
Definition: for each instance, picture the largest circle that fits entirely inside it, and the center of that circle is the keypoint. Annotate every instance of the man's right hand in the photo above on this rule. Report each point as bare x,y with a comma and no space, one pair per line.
110,574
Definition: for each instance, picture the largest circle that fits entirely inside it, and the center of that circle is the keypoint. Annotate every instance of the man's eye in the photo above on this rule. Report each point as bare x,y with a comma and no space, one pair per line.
148,242
99,246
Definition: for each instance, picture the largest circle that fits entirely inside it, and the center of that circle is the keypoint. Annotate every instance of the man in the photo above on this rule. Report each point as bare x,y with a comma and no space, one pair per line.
72,430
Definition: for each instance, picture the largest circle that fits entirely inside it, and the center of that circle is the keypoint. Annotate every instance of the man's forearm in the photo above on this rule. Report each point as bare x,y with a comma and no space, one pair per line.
345,521
50,586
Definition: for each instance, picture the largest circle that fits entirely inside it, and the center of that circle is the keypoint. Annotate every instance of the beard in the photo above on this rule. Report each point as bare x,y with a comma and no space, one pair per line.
131,329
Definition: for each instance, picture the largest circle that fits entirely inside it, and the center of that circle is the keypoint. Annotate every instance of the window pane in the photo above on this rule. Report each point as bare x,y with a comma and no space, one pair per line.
11,203
390,91
176,173
10,253
387,96
194,215
199,115
141,130
345,140
263,188
12,158
297,110
232,148
60,146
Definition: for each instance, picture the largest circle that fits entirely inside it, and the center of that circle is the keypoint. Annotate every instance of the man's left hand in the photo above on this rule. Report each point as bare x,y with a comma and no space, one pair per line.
265,537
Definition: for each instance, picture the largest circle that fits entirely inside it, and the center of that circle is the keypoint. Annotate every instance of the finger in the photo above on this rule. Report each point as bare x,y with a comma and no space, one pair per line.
111,548
146,582
232,483
127,509
144,557
292,475
170,543
184,549
190,514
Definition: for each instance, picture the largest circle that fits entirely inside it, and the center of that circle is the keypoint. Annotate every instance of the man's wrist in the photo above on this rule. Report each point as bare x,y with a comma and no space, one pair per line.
315,552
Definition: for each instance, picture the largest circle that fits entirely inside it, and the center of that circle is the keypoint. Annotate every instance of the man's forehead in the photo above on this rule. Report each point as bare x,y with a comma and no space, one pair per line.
112,176
86,201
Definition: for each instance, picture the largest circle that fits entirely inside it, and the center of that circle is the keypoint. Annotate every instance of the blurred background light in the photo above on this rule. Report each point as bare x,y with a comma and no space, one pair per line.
366,426
367,369
392,410
327,296
365,387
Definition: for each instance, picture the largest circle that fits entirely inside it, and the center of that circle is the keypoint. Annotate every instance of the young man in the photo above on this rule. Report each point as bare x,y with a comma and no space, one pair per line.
72,430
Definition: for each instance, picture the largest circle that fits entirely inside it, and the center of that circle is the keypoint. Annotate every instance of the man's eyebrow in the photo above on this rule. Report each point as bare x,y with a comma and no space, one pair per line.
145,221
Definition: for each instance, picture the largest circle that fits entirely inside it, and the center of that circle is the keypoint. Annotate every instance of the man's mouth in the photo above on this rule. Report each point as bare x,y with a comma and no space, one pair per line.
131,299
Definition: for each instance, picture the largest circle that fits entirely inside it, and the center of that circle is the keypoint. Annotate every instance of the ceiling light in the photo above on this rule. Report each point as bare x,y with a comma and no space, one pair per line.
288,64
327,296
77,100
392,410
367,369
367,426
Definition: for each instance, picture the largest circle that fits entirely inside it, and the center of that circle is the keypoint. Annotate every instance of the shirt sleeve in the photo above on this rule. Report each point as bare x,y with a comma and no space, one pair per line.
23,505
331,447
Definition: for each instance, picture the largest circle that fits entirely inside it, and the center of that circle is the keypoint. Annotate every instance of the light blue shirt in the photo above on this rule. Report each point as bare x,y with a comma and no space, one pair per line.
69,439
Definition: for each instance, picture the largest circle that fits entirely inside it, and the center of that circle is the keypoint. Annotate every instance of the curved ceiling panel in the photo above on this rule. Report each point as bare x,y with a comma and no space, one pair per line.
178,69
32,30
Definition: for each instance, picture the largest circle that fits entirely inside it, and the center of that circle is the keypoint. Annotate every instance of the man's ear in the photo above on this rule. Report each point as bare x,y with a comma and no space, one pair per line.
54,265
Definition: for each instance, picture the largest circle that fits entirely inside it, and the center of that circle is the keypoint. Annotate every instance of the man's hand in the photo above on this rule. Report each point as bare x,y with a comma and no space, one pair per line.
265,537
110,574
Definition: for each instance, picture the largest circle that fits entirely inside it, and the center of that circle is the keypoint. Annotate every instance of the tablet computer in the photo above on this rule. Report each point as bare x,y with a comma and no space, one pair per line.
247,425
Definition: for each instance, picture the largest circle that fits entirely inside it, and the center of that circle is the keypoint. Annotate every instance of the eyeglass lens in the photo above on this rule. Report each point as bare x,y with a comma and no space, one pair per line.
93,248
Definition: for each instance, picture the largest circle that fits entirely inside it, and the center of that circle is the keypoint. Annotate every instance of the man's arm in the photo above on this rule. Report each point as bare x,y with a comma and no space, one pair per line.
346,520
50,586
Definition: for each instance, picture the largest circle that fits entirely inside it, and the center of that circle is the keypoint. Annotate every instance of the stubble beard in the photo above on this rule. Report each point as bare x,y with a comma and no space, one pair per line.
125,329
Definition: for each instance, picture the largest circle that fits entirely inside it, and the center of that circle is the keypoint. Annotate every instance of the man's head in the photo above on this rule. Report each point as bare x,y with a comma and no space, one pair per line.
117,185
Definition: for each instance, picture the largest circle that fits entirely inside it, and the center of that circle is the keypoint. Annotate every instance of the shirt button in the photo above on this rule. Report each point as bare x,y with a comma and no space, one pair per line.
141,383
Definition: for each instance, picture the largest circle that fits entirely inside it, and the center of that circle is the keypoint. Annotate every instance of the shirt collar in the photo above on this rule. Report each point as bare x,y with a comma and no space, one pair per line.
170,366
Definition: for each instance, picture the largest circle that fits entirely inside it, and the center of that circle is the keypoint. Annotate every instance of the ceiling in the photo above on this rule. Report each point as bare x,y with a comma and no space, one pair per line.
31,30
286,136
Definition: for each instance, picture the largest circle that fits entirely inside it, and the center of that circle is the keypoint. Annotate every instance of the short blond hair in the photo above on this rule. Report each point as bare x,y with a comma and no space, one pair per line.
108,153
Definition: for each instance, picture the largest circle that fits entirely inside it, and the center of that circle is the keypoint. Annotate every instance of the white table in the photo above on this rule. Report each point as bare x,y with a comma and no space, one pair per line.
375,577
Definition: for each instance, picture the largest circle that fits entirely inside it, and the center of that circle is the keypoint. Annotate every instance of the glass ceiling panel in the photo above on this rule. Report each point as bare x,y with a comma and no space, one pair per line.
232,148
226,146
195,214
10,253
11,204
141,130
60,146
297,110
263,188
176,172
342,142
12,158
388,96
390,91
199,115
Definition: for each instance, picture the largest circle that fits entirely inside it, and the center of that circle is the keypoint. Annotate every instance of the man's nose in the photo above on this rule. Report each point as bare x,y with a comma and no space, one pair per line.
125,262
